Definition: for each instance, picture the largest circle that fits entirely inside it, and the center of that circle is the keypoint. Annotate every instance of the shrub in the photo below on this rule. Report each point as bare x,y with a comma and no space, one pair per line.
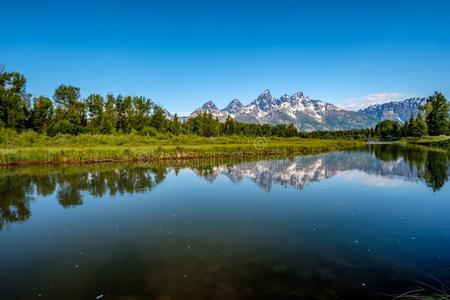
64,127
149,131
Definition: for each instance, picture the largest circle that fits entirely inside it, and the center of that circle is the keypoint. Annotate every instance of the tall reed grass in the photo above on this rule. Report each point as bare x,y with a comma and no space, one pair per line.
31,147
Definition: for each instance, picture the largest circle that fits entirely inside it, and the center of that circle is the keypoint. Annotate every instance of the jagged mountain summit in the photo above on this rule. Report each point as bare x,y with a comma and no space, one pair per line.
309,114
233,107
305,113
399,111
208,107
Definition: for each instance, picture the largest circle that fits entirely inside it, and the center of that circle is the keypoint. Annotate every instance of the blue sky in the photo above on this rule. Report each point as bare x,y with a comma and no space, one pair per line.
183,53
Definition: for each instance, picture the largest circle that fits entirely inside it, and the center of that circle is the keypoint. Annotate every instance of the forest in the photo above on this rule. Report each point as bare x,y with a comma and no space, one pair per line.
67,113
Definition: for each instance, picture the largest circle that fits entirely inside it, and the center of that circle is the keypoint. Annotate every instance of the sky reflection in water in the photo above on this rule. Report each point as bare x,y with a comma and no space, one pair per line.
352,224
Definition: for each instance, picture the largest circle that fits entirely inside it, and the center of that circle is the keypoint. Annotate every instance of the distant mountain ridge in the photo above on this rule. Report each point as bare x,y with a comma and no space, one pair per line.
399,111
310,114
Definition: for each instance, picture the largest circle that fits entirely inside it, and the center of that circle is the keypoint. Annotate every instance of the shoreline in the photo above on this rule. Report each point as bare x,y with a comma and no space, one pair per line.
20,156
441,142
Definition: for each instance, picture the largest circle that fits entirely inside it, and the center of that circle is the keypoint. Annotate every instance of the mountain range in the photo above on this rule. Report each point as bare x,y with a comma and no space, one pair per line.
399,111
309,114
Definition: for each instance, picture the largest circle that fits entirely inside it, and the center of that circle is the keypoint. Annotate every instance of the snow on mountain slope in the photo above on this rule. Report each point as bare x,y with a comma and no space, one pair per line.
305,113
399,111
309,114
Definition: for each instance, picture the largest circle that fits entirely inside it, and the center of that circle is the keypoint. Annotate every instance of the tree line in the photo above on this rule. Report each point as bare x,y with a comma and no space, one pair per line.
68,113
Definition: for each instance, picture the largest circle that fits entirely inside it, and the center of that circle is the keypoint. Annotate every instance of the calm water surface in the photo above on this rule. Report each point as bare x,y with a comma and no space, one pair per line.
362,224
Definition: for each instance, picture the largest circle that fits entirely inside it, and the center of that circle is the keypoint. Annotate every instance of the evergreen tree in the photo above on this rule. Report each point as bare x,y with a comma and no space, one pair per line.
291,131
229,126
396,130
410,124
438,118
419,127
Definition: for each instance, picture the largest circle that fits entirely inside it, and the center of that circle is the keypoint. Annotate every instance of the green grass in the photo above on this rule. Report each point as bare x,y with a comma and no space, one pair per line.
431,141
437,141
29,147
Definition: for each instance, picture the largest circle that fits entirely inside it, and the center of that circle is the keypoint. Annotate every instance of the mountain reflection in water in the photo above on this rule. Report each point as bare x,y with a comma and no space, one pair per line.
19,186
356,224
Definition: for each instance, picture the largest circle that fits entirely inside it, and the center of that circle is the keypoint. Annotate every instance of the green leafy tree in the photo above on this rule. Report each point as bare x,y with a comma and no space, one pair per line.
14,101
124,113
158,119
291,131
175,125
385,129
142,107
438,118
70,107
109,117
42,114
66,96
94,106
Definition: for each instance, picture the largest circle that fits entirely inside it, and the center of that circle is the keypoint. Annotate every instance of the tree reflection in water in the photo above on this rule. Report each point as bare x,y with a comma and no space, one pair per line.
432,166
19,186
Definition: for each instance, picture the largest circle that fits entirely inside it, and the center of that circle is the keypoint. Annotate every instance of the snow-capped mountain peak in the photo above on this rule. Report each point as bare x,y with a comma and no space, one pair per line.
310,114
399,111
305,113
265,94
297,95
233,107
208,107
264,101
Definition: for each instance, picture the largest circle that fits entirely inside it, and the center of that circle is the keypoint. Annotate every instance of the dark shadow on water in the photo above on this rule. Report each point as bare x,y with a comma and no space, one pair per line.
122,274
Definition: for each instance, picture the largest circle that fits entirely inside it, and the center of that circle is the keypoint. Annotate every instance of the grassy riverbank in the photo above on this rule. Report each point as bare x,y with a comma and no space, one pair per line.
32,148
431,141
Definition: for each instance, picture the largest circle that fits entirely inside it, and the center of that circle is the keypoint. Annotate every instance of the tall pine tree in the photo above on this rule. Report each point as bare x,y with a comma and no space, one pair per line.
438,118
419,127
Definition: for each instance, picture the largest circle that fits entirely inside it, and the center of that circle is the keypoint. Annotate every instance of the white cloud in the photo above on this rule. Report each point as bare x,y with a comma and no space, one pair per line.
367,100
372,180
